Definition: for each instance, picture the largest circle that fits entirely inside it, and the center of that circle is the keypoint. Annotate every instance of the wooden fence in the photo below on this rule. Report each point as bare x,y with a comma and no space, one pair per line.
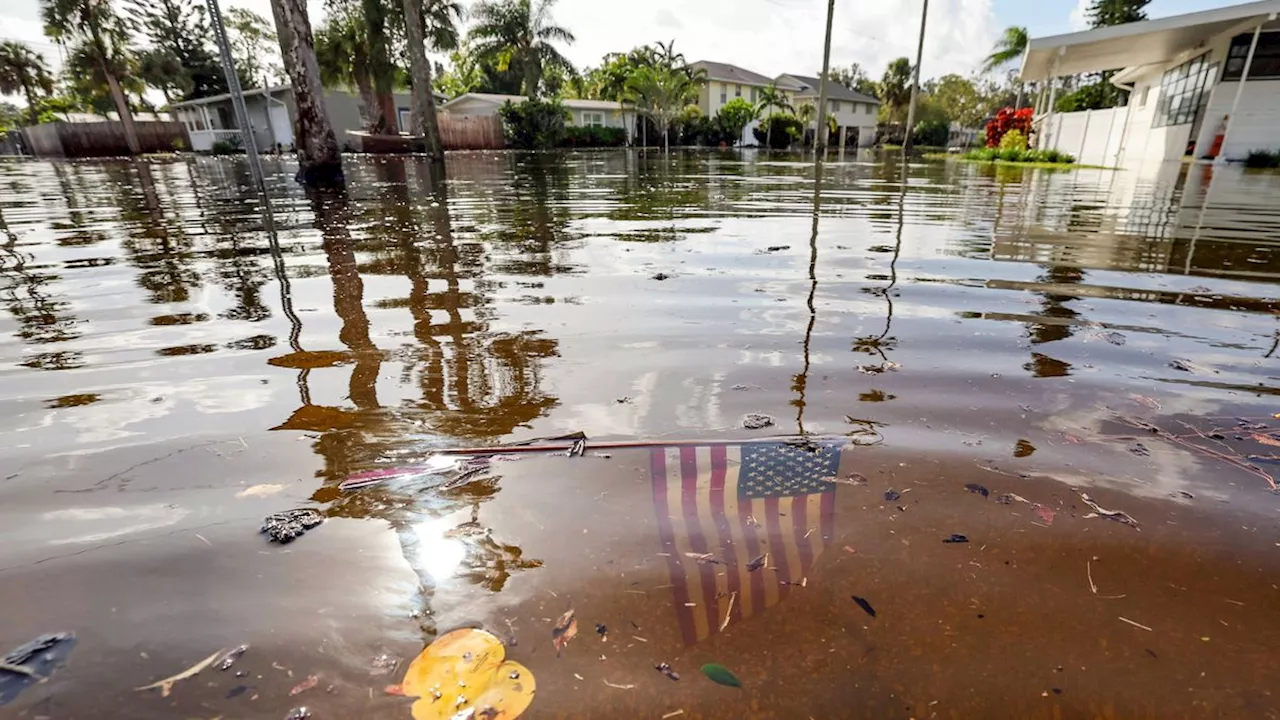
471,132
103,139
457,132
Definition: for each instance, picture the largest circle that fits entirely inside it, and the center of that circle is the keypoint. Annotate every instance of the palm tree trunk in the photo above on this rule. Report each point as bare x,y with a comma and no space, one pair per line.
364,86
32,115
319,161
768,134
126,115
383,116
424,101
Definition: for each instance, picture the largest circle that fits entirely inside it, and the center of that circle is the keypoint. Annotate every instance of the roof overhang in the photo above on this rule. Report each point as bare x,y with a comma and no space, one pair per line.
1141,43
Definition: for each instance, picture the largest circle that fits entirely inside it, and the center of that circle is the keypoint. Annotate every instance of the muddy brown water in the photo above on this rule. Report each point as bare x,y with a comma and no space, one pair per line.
176,363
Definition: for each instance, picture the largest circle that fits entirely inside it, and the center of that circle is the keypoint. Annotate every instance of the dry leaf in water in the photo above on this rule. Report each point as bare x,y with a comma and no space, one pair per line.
464,673
565,630
1266,439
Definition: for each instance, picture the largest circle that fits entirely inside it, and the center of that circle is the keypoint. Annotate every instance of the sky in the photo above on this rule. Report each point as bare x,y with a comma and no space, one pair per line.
769,37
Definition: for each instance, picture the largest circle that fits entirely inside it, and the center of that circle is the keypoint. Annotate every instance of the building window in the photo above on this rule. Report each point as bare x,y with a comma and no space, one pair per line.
593,119
1146,95
405,117
1183,92
835,106
737,91
870,108
724,93
754,97
1266,58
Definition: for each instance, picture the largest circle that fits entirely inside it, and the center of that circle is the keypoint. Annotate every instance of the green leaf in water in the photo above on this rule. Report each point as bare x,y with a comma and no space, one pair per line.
721,674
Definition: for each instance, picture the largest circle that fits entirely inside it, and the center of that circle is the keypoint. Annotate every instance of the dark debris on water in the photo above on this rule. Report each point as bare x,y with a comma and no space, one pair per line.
978,489
956,538
665,669
285,527
866,606
33,661
891,495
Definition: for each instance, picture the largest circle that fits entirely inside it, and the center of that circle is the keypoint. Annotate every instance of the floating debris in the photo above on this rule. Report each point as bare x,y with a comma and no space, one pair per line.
31,662
1099,511
977,489
956,538
756,421
866,606
566,629
166,685
665,669
1144,401
1139,449
305,685
721,675
298,713
891,495
464,674
757,563
857,479
226,661
285,527
1044,513
1140,626
662,276
776,248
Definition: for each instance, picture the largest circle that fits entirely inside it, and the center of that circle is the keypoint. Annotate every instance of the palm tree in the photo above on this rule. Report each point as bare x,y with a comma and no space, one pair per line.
434,19
662,93
519,33
342,53
104,35
771,98
895,86
24,70
1011,46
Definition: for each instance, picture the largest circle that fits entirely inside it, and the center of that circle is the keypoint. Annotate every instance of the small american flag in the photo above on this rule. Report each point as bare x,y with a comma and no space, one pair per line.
721,506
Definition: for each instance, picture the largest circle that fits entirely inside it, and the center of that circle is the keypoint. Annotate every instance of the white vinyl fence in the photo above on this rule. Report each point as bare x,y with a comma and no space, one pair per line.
1093,137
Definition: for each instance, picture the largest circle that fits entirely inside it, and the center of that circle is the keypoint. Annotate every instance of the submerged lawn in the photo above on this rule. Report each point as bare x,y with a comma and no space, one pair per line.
1017,163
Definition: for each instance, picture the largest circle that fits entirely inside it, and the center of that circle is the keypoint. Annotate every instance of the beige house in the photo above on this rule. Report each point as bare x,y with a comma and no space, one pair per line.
726,82
600,113
855,113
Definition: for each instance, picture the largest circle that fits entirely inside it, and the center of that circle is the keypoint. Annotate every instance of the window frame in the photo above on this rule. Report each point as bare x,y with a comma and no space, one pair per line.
1266,58
1184,91
593,115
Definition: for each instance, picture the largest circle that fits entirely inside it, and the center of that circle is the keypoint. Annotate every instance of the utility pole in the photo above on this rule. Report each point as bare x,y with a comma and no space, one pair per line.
237,96
820,134
915,80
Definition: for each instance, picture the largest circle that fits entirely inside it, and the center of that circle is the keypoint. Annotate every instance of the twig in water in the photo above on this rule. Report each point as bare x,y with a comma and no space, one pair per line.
1088,568
1140,626
1099,511
672,714
724,624
620,687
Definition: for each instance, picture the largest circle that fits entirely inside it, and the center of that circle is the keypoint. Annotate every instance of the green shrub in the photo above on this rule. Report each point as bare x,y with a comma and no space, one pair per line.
226,146
588,136
731,119
934,133
786,129
533,124
1013,140
1262,159
1014,154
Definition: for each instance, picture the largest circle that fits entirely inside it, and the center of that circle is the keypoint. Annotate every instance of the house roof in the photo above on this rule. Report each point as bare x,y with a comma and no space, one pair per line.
835,91
1139,43
274,90
724,72
571,103
227,96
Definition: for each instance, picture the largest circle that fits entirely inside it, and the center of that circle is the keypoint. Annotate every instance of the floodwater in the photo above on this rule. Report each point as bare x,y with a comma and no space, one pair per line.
177,361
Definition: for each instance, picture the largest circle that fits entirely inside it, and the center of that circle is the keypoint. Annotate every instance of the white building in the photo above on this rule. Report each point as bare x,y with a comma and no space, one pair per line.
586,113
855,113
1205,85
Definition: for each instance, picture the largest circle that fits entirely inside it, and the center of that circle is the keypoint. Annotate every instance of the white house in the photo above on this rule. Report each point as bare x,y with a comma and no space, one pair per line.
271,112
855,113
1204,84
600,113
726,82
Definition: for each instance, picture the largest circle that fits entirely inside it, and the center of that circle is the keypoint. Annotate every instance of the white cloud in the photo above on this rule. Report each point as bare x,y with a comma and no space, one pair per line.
1079,19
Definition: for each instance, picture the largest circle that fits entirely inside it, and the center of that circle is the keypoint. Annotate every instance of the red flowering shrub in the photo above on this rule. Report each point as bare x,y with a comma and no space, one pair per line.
1006,120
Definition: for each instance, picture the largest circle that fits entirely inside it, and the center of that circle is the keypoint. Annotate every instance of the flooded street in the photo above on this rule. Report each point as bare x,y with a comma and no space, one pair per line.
1075,371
